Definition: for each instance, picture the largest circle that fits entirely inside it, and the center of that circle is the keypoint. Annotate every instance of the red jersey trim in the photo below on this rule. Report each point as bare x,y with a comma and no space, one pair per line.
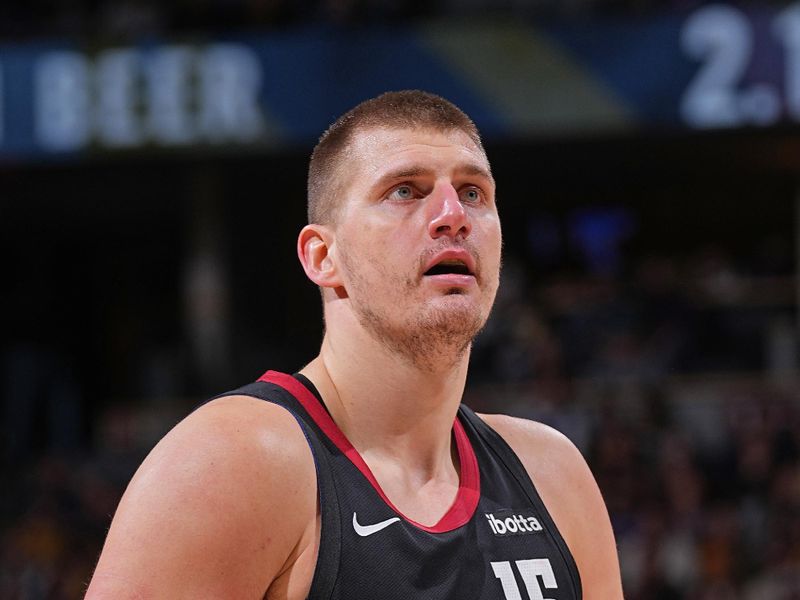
468,494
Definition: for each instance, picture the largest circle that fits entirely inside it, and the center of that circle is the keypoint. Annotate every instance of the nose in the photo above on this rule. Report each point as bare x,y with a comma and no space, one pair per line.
447,216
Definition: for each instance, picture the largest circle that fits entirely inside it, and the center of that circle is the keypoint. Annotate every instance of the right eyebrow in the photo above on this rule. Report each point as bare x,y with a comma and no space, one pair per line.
404,173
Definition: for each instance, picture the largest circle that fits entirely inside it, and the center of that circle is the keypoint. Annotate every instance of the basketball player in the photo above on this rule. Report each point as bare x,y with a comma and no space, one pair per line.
362,477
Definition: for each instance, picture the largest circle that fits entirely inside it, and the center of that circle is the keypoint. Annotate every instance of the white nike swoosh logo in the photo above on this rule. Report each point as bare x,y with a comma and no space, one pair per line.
365,530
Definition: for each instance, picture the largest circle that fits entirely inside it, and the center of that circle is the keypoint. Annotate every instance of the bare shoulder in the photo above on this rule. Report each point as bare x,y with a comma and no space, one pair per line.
550,458
220,507
556,467
570,493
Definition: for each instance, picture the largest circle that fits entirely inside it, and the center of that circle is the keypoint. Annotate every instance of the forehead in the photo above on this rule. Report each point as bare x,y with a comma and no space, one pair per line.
373,151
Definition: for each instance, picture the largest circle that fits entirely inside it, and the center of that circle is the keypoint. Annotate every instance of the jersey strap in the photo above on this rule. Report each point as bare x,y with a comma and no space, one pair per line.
468,494
508,458
330,549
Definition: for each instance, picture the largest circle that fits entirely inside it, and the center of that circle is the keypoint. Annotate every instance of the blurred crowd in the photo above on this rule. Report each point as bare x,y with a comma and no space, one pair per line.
702,313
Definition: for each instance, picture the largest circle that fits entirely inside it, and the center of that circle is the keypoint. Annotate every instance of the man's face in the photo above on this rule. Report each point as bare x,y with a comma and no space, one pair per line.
418,239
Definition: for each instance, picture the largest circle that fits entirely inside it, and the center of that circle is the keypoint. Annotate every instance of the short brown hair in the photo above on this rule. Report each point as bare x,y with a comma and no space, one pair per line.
401,110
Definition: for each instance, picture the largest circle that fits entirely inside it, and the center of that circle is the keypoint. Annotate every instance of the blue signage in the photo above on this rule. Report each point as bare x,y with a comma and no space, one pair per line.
716,67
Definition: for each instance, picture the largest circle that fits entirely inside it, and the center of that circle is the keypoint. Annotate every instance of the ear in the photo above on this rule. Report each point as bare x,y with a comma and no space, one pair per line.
313,250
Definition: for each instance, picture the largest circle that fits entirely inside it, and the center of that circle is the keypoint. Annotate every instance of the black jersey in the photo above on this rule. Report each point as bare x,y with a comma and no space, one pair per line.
496,542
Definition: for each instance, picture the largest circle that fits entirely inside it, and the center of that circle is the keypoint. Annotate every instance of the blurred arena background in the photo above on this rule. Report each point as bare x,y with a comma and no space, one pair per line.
152,172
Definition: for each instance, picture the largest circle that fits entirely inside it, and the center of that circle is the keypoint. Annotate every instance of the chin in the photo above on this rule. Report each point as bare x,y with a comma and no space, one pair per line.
457,311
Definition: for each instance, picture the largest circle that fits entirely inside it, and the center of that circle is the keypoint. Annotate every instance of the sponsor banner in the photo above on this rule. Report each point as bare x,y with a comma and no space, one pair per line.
718,66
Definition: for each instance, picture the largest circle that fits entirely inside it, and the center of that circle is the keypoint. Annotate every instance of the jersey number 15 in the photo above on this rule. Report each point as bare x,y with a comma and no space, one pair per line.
530,571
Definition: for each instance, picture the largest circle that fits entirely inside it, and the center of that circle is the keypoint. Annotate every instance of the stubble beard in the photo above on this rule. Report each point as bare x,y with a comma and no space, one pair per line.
433,338
429,341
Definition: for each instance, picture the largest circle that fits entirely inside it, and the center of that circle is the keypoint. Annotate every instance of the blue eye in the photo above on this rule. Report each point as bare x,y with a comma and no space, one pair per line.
472,195
403,192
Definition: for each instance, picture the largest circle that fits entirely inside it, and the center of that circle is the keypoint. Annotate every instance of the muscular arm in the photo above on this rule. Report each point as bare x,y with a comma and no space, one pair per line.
222,506
573,499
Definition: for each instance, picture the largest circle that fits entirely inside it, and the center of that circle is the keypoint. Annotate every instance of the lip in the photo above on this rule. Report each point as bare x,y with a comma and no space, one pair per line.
451,280
451,254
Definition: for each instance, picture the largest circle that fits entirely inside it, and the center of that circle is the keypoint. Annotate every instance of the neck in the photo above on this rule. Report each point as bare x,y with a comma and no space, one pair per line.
392,410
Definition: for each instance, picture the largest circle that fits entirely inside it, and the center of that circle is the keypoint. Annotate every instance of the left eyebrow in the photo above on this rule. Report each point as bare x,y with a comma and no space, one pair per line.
475,171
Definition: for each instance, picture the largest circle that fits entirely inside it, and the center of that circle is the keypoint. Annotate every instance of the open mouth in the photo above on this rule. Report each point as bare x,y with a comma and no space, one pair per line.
449,267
